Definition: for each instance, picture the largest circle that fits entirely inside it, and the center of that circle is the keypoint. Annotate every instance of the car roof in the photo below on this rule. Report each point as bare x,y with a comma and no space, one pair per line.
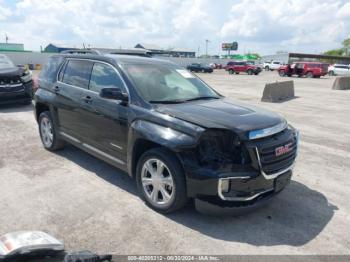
118,58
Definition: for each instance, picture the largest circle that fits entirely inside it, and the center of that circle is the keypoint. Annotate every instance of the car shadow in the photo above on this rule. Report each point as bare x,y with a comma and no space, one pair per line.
13,108
294,217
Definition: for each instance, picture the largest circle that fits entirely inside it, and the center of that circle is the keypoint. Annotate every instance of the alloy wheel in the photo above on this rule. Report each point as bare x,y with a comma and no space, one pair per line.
157,182
46,131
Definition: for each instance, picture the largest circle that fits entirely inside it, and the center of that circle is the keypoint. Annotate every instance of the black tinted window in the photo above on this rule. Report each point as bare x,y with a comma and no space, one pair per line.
104,76
49,72
77,73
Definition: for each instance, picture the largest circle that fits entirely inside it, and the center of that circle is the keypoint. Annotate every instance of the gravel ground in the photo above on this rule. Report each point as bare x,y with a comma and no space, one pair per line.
91,205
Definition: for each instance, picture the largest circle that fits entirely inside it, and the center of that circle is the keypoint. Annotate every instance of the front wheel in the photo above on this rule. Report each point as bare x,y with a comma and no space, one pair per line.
331,73
161,180
250,72
231,72
281,73
48,133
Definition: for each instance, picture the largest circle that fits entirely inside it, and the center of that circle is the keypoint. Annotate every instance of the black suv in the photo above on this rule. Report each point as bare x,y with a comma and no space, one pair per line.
16,83
164,126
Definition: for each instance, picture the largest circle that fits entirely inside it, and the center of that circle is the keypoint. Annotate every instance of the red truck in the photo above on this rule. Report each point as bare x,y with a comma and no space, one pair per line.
241,66
308,69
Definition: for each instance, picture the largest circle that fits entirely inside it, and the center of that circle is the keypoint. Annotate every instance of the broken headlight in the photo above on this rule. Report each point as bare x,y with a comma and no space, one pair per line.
220,147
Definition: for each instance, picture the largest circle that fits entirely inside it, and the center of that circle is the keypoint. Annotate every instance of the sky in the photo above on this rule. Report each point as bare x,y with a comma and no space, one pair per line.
258,26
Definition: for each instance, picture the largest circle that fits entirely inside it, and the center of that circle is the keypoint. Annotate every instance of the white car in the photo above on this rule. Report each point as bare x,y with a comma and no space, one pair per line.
339,69
273,65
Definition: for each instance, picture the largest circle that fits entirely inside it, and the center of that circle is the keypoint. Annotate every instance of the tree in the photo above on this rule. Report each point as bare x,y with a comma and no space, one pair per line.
346,44
337,52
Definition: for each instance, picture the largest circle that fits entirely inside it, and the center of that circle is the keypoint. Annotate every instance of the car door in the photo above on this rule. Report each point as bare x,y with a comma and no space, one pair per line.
106,119
72,81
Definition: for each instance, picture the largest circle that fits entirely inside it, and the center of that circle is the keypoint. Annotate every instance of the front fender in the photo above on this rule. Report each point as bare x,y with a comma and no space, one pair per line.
165,136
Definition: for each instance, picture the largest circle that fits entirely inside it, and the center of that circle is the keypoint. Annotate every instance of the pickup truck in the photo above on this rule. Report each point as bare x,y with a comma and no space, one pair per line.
272,65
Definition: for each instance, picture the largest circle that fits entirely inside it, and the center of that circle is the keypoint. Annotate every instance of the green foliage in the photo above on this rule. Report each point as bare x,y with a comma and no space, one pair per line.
337,52
346,43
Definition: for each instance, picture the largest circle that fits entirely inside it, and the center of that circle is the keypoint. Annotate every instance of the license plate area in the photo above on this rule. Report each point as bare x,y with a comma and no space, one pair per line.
282,180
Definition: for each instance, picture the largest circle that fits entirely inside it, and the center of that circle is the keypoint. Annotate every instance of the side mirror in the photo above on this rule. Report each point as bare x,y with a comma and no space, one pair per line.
114,93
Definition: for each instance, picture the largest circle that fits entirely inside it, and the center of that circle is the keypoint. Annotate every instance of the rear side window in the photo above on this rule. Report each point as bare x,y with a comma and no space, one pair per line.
77,73
49,71
104,76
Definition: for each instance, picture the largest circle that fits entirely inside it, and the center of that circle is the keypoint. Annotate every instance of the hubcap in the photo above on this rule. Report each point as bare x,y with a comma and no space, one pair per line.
157,182
46,131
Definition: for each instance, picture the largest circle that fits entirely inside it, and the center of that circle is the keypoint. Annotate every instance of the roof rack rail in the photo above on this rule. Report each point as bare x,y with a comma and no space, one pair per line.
81,51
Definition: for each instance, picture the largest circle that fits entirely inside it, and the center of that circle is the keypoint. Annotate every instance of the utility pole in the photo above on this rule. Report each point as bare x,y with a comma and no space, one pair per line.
206,47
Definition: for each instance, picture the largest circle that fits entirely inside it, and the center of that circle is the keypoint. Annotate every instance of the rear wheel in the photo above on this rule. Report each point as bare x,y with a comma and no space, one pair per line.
250,72
48,133
161,180
281,73
203,70
267,68
309,75
231,71
331,73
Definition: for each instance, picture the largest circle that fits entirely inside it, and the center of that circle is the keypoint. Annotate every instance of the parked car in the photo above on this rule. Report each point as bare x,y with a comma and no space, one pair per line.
241,66
164,126
338,69
198,67
15,83
272,65
308,69
216,65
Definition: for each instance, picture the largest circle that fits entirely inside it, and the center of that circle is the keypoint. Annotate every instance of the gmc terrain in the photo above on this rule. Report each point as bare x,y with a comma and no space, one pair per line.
165,127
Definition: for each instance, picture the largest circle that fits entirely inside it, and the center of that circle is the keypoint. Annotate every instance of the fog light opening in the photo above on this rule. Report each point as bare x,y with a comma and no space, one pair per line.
225,185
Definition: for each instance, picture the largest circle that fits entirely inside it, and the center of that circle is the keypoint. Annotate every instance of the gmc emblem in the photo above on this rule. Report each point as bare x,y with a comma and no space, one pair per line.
283,149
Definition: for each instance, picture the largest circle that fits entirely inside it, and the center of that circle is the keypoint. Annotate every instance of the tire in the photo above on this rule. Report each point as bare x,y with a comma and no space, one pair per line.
250,72
203,70
237,73
267,68
48,132
281,73
309,75
231,71
331,73
173,169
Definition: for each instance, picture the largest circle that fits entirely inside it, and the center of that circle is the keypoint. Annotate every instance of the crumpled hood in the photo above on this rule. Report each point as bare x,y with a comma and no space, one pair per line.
222,114
11,71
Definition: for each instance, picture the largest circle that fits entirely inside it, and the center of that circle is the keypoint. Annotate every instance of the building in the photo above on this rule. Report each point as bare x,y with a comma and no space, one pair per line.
53,48
11,47
294,57
174,52
181,52
153,48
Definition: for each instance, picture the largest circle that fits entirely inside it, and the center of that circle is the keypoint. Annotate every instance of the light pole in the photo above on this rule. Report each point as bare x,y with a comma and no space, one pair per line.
206,47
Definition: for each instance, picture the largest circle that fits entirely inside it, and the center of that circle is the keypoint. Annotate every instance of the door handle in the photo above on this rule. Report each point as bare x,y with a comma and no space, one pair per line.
87,99
56,89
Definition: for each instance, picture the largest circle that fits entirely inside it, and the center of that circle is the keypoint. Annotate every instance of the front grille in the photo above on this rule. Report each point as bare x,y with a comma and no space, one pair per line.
10,84
266,148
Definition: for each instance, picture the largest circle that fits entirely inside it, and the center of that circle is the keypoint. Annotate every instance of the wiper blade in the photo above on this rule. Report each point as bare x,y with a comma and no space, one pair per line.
202,97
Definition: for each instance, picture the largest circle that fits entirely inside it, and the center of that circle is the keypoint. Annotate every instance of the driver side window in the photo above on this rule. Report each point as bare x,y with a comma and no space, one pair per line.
104,76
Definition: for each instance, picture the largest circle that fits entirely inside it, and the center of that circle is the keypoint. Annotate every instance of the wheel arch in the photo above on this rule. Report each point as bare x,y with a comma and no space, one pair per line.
144,135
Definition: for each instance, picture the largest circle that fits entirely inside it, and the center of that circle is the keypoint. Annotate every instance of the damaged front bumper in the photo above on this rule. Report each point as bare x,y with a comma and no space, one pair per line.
241,189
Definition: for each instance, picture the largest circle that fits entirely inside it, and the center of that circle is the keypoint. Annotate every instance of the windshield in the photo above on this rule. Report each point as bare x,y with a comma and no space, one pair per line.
5,62
167,83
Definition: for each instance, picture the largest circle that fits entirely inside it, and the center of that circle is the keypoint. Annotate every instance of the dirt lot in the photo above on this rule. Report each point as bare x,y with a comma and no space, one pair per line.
91,205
